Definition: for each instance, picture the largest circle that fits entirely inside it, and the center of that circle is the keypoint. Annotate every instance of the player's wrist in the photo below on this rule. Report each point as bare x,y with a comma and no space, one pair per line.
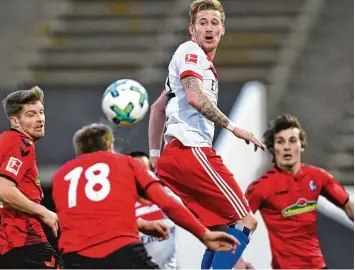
154,152
231,126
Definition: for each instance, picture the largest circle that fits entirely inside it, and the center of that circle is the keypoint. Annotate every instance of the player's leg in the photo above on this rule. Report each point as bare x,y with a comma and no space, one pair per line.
207,259
133,256
37,256
209,190
76,261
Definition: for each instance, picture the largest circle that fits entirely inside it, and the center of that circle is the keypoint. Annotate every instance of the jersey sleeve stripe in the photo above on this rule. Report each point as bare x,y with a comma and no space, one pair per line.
190,73
9,178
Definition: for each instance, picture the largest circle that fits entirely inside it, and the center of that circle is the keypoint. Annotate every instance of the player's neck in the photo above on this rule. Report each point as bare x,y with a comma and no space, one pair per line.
290,169
210,54
24,133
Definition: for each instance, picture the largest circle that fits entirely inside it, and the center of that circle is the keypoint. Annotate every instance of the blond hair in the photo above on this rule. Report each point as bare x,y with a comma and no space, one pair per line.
199,5
13,103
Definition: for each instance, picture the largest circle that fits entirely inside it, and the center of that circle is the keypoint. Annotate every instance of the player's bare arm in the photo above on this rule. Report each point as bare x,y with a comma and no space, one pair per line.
200,101
12,197
349,209
153,228
156,127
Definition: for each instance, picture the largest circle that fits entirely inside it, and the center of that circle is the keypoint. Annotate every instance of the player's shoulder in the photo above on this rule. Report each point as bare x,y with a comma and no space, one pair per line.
268,176
264,182
312,169
189,47
11,138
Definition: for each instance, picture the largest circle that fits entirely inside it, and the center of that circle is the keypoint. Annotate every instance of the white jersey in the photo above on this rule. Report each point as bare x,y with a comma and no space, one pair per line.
162,252
183,121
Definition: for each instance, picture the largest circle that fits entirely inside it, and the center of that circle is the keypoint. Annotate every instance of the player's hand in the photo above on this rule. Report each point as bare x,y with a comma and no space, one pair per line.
155,228
248,137
220,241
51,219
153,163
241,264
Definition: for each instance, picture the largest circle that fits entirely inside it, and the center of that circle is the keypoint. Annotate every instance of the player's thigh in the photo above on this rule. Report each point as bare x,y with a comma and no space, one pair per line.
204,184
76,261
37,256
133,256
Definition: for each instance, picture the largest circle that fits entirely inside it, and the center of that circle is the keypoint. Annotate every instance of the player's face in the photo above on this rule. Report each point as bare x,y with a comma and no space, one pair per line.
31,120
207,30
287,148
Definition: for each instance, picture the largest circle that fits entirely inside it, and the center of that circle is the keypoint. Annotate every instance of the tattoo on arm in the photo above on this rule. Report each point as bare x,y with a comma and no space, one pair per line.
204,105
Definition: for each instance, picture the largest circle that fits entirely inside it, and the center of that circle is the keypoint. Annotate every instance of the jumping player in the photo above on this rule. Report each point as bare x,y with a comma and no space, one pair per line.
187,107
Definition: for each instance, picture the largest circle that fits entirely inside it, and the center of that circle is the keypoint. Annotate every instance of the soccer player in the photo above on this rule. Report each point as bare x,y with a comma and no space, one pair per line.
189,165
23,243
95,196
163,252
287,195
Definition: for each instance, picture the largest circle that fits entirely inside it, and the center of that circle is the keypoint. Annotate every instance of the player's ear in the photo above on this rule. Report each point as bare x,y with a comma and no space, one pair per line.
14,121
191,28
111,148
223,30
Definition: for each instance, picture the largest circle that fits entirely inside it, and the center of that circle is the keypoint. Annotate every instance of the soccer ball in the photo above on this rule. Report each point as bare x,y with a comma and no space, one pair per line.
125,102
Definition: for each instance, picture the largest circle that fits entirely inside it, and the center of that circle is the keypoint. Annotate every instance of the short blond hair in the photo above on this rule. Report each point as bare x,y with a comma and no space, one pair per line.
92,138
199,5
13,103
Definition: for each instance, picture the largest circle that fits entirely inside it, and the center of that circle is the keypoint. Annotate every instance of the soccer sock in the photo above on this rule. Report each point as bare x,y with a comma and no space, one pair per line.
207,259
227,260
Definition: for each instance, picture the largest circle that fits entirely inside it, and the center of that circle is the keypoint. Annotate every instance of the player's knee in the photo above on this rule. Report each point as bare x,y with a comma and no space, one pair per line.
249,221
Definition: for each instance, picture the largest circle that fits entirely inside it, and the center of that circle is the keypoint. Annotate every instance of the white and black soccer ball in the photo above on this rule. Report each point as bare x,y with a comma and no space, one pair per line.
125,102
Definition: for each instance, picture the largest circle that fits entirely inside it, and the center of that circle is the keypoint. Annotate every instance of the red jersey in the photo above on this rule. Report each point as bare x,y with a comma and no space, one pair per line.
288,203
18,164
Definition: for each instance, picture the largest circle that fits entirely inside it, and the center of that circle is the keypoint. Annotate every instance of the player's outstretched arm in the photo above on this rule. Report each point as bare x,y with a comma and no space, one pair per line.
201,102
217,241
12,197
156,127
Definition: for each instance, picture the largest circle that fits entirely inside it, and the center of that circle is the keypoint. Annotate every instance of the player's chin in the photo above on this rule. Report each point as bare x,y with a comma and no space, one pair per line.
289,163
38,134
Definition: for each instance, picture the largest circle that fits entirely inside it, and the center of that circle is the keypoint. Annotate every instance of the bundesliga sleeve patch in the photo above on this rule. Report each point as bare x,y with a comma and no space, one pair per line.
191,58
14,165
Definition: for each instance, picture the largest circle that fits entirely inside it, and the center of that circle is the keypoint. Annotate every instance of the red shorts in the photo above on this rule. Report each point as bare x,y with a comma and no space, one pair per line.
205,185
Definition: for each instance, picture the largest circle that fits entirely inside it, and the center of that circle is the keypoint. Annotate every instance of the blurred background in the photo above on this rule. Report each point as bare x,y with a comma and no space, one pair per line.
302,51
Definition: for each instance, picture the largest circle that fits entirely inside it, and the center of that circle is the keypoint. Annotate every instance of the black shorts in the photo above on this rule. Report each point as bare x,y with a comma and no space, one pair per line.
37,256
133,256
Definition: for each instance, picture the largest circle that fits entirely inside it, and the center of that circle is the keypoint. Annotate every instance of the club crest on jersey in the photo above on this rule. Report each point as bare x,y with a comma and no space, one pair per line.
312,185
191,58
301,206
13,165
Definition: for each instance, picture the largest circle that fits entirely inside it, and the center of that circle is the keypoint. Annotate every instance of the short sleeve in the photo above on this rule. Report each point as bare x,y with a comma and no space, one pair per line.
255,196
332,189
144,177
191,62
16,160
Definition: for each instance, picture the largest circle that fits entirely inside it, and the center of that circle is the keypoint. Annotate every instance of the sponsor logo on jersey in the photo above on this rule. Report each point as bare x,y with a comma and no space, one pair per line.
301,206
191,58
13,165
